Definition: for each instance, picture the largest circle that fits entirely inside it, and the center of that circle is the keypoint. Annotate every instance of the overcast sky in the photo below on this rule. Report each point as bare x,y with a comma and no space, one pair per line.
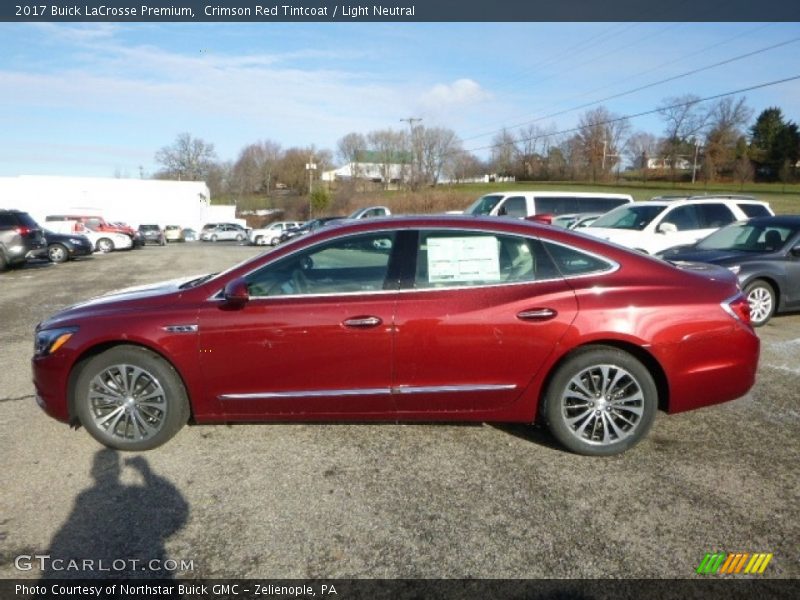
101,99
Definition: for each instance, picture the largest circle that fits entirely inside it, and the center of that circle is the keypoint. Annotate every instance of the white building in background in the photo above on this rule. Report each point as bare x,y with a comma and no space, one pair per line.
365,171
133,201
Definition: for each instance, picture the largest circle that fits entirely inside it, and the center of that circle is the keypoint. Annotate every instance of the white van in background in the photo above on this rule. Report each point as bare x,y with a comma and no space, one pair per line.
521,205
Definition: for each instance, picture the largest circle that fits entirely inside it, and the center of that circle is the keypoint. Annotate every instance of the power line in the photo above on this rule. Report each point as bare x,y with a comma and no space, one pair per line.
642,87
656,68
647,112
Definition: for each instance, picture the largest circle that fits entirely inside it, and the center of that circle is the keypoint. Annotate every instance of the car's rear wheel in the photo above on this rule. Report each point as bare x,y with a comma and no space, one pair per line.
57,253
130,398
601,401
762,299
105,245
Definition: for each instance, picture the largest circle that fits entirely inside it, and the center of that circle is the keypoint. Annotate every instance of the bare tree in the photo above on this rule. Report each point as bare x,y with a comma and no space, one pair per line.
503,153
464,165
599,141
187,158
684,121
389,148
640,147
438,146
727,119
351,149
253,170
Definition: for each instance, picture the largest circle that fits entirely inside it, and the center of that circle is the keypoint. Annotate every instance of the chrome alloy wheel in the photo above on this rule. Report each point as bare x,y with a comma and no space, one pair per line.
127,402
602,404
760,300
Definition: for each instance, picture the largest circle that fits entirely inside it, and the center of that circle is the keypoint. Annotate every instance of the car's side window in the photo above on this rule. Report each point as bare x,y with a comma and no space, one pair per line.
571,262
350,265
515,207
715,215
469,258
684,218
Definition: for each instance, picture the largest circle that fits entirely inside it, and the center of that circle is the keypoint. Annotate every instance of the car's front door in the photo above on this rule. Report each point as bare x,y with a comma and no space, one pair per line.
484,313
314,339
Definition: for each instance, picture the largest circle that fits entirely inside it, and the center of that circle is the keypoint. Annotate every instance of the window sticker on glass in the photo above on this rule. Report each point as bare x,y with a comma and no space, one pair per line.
462,259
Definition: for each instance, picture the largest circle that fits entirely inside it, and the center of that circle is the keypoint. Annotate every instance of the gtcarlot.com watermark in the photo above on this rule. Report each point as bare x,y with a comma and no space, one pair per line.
44,562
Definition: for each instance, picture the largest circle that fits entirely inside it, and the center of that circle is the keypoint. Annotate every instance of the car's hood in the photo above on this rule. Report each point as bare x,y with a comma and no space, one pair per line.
619,236
694,254
707,270
130,298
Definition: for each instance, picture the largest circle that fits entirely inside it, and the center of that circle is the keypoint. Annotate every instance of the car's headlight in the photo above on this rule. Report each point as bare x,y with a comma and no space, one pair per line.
49,340
735,269
76,241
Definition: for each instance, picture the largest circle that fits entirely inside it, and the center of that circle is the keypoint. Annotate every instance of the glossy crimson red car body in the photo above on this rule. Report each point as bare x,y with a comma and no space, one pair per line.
473,353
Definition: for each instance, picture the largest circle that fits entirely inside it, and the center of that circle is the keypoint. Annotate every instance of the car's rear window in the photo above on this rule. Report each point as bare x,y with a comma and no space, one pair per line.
26,220
573,262
754,210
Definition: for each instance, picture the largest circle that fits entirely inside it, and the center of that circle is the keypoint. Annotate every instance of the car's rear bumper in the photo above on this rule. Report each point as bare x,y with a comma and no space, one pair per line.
711,367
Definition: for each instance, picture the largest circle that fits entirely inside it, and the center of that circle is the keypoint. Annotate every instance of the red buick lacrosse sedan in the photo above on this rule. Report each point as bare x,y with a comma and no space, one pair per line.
407,319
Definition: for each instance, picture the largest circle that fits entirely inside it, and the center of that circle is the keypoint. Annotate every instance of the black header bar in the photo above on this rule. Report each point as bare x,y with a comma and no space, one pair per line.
265,11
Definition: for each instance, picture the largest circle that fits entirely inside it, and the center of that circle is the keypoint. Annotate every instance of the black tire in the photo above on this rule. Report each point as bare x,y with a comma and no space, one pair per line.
600,402
3,262
762,300
57,253
106,394
239,237
104,245
214,238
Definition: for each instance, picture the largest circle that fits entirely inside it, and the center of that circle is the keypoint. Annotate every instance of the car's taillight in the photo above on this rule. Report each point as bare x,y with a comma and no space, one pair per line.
737,307
22,230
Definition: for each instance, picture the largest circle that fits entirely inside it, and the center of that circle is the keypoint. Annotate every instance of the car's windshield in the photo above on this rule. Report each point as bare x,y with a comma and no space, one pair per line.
635,217
483,205
748,237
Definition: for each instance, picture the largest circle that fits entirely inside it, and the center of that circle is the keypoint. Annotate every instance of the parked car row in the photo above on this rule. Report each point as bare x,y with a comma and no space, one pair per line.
735,231
66,237
152,233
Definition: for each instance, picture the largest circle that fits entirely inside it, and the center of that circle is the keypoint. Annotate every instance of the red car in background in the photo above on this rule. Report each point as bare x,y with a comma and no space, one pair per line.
97,223
407,319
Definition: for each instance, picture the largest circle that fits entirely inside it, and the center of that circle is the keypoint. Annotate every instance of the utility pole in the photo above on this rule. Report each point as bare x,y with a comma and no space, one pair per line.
310,167
414,155
694,165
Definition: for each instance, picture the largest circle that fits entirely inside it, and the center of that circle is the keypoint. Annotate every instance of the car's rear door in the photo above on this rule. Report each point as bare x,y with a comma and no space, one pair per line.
483,313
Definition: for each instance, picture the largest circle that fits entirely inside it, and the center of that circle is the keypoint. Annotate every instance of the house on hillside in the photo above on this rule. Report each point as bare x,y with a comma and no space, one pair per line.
373,166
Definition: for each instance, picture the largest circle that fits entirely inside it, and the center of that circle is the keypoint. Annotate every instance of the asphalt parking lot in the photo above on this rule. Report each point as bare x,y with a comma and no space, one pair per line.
386,500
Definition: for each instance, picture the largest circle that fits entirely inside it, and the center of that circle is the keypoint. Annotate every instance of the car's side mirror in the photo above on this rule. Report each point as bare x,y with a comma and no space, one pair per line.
236,293
795,250
667,228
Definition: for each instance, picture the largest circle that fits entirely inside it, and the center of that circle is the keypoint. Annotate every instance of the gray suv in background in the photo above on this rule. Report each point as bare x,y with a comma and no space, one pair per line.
20,237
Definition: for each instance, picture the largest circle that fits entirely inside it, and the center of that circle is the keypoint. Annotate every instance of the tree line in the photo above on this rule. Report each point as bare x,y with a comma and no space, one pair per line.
707,141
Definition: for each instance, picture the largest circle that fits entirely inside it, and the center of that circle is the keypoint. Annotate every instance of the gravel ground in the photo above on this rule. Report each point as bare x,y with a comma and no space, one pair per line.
386,500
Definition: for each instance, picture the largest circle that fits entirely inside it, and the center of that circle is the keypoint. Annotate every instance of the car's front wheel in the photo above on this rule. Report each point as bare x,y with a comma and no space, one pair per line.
57,253
130,398
239,237
601,401
761,298
105,245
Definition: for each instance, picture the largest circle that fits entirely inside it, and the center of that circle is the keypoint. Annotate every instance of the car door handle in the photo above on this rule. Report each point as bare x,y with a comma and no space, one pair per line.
537,314
362,322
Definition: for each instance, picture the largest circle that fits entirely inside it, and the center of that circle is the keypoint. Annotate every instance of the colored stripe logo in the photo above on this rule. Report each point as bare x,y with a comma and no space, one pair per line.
732,563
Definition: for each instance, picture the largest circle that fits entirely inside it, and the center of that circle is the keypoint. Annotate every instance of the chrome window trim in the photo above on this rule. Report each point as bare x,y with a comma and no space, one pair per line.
613,267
